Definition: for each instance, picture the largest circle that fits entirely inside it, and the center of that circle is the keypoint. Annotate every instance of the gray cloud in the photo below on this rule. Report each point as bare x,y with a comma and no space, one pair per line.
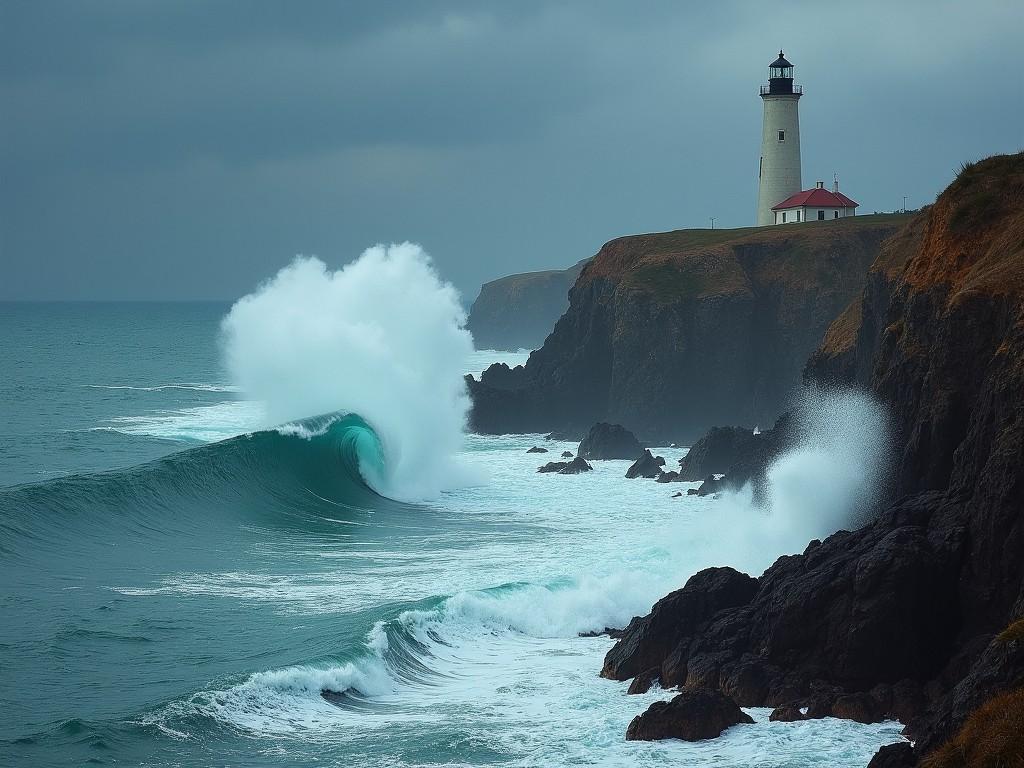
188,149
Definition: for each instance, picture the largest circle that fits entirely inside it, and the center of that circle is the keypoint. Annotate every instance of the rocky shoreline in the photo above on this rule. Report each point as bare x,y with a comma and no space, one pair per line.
919,615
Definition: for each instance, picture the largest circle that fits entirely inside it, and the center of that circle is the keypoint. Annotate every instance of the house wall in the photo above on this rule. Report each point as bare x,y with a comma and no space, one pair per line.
810,213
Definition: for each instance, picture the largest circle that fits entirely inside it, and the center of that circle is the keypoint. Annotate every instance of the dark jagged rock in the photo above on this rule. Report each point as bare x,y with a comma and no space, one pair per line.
692,491
646,466
710,486
749,457
643,682
715,453
609,441
860,707
566,454
691,716
501,376
537,449
667,477
677,494
607,631
568,434
787,713
553,466
681,615
999,668
518,311
575,467
660,460
737,312
899,755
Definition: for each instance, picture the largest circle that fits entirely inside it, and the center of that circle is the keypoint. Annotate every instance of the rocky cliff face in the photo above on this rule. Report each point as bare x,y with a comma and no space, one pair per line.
519,311
918,614
669,334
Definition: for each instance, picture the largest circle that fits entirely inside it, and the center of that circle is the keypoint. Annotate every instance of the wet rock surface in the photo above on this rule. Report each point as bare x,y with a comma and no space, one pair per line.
646,466
609,441
691,716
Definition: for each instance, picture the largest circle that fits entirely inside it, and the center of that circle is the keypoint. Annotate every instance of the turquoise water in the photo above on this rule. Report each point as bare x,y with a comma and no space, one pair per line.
180,588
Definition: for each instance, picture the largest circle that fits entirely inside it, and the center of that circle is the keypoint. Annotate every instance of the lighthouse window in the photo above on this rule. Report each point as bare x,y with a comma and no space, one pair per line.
783,217
835,214
782,135
821,215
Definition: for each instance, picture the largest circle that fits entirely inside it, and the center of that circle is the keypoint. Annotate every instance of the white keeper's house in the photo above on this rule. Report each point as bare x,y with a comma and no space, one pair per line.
815,204
780,196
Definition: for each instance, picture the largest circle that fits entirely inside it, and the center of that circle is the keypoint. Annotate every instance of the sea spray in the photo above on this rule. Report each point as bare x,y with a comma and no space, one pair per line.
826,482
382,337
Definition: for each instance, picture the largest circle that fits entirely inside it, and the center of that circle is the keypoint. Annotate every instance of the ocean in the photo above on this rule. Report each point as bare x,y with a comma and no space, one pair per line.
184,585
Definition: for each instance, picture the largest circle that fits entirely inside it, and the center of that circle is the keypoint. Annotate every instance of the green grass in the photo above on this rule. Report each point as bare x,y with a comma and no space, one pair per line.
667,282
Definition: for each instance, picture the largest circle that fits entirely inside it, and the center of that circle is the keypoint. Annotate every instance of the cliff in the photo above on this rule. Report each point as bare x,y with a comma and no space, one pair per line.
519,311
671,333
918,614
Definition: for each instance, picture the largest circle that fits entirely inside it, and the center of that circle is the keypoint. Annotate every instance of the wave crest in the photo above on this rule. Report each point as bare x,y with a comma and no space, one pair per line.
382,337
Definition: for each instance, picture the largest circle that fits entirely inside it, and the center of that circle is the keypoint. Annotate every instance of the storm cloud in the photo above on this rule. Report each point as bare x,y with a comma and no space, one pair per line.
187,150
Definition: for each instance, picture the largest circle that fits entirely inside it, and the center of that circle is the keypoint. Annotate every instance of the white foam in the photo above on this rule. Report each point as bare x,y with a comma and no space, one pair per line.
189,386
203,423
382,337
504,665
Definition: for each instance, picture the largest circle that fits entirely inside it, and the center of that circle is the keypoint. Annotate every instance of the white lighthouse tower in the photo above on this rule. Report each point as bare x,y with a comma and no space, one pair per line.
779,170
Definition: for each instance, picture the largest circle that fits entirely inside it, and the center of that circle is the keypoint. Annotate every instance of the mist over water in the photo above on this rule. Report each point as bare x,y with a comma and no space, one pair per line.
827,482
382,337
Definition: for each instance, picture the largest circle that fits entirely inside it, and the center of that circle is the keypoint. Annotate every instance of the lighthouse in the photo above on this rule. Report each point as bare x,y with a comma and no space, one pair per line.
779,170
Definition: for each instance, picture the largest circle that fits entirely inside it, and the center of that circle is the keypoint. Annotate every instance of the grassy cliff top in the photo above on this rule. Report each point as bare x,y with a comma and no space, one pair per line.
690,263
974,235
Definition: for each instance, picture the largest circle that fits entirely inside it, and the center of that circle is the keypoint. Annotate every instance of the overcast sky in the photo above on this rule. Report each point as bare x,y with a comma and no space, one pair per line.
187,150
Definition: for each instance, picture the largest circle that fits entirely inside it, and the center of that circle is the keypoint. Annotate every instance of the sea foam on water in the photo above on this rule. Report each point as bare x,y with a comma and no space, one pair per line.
382,337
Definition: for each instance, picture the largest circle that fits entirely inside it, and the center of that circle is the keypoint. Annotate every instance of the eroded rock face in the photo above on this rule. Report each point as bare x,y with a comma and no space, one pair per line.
737,313
518,311
647,641
691,716
715,453
609,441
537,449
646,466
899,618
900,755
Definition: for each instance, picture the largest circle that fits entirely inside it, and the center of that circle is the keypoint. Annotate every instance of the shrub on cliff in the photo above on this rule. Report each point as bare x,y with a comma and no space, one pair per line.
992,737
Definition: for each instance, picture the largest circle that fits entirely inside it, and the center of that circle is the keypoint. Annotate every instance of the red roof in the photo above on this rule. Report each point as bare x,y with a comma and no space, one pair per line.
816,198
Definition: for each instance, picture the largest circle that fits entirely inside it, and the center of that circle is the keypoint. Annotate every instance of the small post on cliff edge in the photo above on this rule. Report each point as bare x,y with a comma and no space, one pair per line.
712,221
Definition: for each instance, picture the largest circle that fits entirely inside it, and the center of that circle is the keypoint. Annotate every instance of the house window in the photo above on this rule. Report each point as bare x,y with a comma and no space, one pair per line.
821,215
798,215
835,214
782,135
783,217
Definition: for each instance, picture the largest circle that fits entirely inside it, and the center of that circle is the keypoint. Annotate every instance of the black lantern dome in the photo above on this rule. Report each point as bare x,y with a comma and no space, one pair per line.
780,79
